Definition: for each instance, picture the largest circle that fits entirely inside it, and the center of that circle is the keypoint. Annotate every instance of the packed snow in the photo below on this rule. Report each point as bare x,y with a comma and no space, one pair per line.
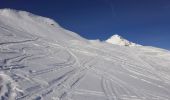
40,60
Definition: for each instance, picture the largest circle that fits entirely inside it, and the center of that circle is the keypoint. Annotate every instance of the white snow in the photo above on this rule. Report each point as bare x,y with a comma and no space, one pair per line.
40,60
118,40
8,87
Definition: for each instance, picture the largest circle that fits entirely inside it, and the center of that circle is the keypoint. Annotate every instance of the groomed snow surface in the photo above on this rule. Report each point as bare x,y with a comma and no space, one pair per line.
39,60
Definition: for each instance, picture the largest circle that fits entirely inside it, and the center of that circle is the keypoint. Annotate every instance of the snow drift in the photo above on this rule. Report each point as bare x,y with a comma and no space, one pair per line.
40,60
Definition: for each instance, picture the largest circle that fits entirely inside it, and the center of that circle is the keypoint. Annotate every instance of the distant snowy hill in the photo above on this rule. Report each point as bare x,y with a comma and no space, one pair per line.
40,60
118,40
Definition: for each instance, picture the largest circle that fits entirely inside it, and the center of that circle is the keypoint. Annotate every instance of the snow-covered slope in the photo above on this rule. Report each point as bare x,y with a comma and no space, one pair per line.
39,60
36,25
118,40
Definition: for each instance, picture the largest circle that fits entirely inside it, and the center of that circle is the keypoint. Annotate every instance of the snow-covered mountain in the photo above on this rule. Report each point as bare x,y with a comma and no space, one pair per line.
40,60
37,25
118,40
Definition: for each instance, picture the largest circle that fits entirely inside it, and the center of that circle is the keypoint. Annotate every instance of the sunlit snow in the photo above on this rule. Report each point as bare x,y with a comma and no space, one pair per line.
40,60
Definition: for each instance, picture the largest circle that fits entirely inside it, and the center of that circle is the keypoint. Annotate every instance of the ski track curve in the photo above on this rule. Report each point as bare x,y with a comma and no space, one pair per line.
39,68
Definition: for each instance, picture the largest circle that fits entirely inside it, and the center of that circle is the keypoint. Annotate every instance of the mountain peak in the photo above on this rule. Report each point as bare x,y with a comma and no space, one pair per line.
118,40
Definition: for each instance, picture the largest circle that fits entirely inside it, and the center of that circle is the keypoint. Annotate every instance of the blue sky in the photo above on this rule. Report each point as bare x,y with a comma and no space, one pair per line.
146,22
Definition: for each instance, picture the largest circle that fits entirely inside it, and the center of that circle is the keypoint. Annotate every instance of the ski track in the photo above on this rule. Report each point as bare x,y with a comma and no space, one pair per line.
35,67
66,84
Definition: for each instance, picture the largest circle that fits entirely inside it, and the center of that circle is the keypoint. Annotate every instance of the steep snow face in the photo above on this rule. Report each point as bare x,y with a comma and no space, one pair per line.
118,40
40,61
35,25
14,14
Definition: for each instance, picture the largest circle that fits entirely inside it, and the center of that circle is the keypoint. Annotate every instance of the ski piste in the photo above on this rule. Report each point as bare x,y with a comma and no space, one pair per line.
40,60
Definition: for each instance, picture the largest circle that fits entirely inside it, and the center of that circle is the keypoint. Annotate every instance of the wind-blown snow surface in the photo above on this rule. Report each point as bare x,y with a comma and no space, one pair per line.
39,60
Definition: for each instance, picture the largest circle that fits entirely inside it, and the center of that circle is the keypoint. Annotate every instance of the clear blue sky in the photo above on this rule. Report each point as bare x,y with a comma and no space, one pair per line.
146,22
